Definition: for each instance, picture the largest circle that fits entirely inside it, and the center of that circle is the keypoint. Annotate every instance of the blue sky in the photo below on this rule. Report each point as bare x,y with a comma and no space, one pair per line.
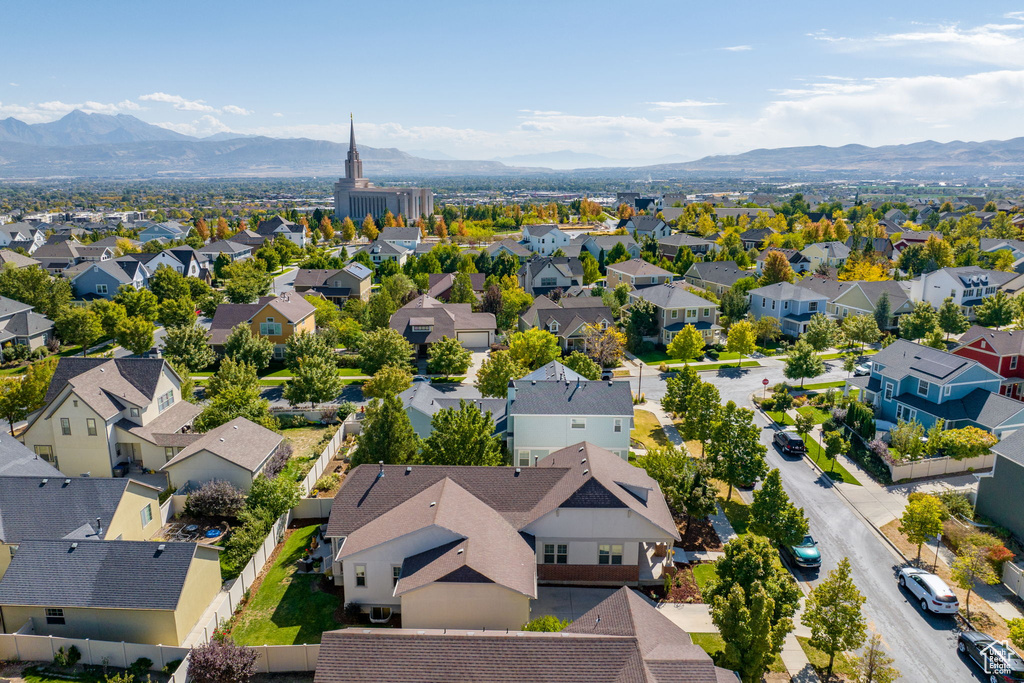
641,81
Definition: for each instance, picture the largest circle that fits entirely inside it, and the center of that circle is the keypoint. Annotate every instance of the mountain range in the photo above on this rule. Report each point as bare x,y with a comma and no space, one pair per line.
100,145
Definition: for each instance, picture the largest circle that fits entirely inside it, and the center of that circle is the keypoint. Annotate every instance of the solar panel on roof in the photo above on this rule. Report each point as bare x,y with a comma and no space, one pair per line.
935,367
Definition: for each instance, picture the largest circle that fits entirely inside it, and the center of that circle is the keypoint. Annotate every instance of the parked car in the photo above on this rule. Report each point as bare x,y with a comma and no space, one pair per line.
862,369
997,661
931,591
607,374
805,554
790,443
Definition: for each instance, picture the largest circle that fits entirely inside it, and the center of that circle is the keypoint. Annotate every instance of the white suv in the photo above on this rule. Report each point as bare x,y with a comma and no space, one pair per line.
931,591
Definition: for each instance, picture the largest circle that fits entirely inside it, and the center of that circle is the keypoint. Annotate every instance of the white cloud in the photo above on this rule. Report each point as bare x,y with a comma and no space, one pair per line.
178,102
277,114
232,109
201,127
684,104
41,112
14,85
738,48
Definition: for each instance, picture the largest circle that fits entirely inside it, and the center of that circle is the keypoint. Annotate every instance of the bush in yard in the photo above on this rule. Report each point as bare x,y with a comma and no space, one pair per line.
548,624
905,439
222,663
326,483
352,613
244,541
278,460
171,666
67,656
273,496
957,504
140,666
861,419
215,499
967,442
959,536
123,677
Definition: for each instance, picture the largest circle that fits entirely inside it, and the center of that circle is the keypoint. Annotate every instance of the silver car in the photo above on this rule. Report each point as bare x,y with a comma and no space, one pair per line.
931,592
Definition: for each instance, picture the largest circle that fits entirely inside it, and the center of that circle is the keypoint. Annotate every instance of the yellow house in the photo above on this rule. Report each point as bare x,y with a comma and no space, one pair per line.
80,508
134,591
276,318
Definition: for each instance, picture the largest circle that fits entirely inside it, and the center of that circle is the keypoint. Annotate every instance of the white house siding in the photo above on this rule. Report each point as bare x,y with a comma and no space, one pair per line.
543,434
458,605
584,529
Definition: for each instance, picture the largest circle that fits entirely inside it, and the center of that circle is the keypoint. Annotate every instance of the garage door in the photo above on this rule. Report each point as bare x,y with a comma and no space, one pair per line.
474,340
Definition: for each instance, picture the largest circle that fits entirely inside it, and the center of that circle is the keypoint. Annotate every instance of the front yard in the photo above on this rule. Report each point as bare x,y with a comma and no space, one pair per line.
647,430
288,608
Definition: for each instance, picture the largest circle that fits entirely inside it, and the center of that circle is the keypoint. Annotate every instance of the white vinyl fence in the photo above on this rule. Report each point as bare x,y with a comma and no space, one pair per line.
321,463
1013,578
28,647
935,467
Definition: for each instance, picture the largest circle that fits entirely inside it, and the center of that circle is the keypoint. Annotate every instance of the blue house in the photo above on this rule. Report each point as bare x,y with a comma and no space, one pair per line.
102,280
910,382
165,232
791,305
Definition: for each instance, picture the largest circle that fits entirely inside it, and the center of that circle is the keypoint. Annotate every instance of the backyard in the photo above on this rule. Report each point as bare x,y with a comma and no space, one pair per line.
288,608
647,430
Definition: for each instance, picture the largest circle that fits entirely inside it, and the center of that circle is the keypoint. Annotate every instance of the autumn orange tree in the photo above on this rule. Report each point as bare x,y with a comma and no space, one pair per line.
776,269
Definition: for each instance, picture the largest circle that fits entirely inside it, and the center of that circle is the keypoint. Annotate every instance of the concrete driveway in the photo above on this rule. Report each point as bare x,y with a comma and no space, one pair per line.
566,602
477,357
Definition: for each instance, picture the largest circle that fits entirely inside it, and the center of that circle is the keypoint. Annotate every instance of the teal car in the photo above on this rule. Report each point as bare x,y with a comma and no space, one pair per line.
805,554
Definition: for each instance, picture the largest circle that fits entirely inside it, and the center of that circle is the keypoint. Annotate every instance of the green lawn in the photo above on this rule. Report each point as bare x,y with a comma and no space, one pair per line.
819,416
837,356
647,430
704,573
351,372
819,660
288,608
712,643
719,366
816,453
825,385
38,674
447,380
657,357
780,417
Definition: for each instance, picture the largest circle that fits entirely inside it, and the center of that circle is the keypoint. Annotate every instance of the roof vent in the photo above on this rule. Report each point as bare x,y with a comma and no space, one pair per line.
221,439
45,480
533,381
74,545
408,470
67,481
583,461
236,426
433,503
460,551
518,470
160,548
586,472
581,449
102,370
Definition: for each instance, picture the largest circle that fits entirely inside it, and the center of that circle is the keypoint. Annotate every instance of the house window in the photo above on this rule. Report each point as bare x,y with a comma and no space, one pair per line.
90,425
707,312
270,328
396,574
764,302
524,458
554,326
556,553
578,423
674,314
813,306
65,426
168,453
922,387
1013,362
147,514
133,412
773,304
888,391
279,351
101,289
949,390
548,282
617,428
46,453
609,554
55,615
379,615
691,313
360,575
165,401
904,413
421,328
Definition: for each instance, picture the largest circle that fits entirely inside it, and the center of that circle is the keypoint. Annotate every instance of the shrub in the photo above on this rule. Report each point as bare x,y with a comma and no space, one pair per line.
957,536
880,450
328,414
352,613
244,542
222,663
345,409
171,666
326,482
279,459
140,666
957,504
861,419
998,555
905,439
67,656
712,354
349,360
273,496
123,677
292,421
215,499
549,624
768,404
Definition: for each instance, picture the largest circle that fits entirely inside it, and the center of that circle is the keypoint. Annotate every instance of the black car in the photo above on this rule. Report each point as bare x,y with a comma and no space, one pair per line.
790,443
997,660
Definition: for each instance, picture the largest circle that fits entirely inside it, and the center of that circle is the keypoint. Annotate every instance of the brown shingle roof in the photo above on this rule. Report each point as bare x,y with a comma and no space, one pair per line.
241,442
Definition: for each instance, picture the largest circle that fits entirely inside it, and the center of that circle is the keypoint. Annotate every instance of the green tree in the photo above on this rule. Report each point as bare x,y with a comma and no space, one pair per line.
384,346
742,340
874,665
234,402
247,282
242,345
685,482
34,286
274,496
580,363
167,283
138,303
110,314
803,362
746,627
495,372
733,306
862,329
833,613
189,346
883,311
135,334
534,348
11,407
735,449
804,424
678,389
378,311
834,445
348,230
919,322
591,269
995,311
177,312
463,436
970,568
387,435
822,332
306,345
921,520
390,380
514,302
951,319
766,329
687,344
641,322
462,290
448,357
327,315
548,624
79,327
773,515
703,407
315,380
232,373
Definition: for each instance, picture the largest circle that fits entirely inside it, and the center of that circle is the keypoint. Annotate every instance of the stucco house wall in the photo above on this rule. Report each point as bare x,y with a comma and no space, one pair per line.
457,605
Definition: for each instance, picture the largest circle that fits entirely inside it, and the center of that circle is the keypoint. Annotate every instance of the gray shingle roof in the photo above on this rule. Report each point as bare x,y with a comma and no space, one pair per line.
1002,342
428,399
240,442
831,249
646,223
671,295
18,461
140,373
446,320
16,260
903,358
1012,447
638,266
725,273
511,245
98,574
787,291
402,234
984,407
581,397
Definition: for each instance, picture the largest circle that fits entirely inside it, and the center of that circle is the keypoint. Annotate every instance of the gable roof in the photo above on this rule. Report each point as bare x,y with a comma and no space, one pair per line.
428,399
830,249
18,461
240,441
567,266
440,283
401,234
101,381
581,311
1001,342
269,227
638,267
682,239
792,255
511,245
15,259
81,575
227,316
671,295
553,371
445,320
224,247
725,273
540,230
291,305
787,291
579,397
112,268
903,358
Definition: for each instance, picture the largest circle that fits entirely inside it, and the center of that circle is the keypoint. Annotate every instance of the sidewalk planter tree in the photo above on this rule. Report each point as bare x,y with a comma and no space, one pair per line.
833,613
921,520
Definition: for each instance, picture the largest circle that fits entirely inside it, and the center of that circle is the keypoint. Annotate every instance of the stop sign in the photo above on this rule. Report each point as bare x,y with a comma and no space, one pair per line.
765,381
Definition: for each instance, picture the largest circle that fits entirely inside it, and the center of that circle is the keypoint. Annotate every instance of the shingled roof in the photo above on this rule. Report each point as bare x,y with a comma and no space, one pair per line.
100,382
444,320
240,442
581,397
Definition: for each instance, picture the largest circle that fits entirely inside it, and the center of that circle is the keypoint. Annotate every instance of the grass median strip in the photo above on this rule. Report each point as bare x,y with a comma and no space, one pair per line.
647,430
832,468
712,643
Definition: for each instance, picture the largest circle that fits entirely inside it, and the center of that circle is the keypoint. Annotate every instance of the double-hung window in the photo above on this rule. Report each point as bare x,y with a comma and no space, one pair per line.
578,423
813,306
90,425
165,401
101,289
556,553
609,554
617,425
168,453
922,387
361,576
888,391
396,574
1013,362
65,426
55,615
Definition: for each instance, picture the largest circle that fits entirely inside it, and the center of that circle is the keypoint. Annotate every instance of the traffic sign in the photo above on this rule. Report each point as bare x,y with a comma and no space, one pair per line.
765,381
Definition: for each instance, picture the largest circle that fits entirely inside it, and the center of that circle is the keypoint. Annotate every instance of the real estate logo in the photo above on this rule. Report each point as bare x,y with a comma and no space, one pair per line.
994,660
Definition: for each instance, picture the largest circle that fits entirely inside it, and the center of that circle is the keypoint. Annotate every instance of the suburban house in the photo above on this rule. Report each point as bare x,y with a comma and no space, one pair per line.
599,246
13,259
53,508
21,234
544,239
20,324
425,320
233,251
911,382
101,280
678,307
465,547
832,254
797,261
546,415
647,226
403,238
184,260
623,639
18,461
670,246
236,452
82,596
56,258
788,303
862,297
337,285
637,273
277,226
568,319
251,238
439,285
724,213
423,400
104,416
1001,351
164,232
380,251
509,246
998,496
715,276
882,245
542,275
967,285
276,318
914,237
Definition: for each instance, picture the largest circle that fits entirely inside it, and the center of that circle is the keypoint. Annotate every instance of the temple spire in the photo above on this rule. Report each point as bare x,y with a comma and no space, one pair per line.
351,133
353,166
